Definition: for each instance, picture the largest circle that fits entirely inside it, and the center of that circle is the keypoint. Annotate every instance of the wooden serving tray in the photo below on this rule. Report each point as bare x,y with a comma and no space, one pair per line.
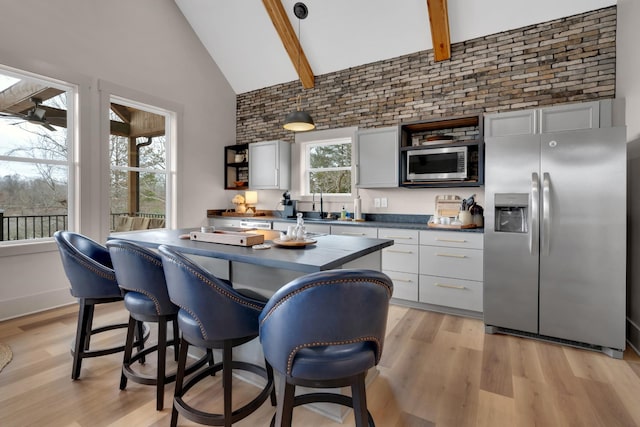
451,227
236,238
243,214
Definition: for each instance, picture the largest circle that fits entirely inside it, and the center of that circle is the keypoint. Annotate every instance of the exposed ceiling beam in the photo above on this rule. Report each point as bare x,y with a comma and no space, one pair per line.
439,22
17,98
290,41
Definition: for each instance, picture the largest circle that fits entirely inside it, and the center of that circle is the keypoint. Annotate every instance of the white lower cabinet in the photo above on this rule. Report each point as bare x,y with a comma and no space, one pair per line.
451,269
354,230
400,261
449,292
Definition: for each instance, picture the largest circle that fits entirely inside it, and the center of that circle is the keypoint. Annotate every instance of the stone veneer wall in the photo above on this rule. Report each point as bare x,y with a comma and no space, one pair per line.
566,60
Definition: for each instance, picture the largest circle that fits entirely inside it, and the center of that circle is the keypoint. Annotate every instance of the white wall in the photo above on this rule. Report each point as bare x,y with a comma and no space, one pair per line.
148,47
628,86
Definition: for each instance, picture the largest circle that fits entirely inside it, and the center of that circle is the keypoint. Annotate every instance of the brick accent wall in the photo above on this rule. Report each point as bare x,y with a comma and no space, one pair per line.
562,61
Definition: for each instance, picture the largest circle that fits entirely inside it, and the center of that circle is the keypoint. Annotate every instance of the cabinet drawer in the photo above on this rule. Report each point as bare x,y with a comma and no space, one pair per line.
456,293
399,235
346,230
452,239
221,222
451,262
405,285
312,228
400,258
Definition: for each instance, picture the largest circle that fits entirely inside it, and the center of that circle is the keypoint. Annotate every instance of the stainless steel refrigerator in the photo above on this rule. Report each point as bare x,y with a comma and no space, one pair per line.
555,237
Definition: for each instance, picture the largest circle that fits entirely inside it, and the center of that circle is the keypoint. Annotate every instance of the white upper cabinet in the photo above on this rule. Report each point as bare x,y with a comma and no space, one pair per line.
270,165
377,158
566,117
585,115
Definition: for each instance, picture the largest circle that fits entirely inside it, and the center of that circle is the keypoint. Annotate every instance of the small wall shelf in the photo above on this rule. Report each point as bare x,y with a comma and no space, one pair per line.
236,167
466,131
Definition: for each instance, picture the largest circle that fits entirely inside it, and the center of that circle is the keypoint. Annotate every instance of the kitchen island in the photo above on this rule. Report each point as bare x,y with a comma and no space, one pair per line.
266,270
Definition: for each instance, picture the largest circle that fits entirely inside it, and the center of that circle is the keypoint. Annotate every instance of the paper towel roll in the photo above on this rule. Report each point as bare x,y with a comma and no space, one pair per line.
357,209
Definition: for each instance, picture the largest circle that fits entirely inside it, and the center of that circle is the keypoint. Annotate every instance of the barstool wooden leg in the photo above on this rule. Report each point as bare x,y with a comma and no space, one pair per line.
274,400
182,362
176,339
81,333
89,310
227,378
359,396
140,339
128,350
284,411
162,361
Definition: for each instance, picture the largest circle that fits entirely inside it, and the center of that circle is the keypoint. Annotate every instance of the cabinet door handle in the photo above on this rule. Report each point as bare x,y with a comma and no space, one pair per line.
445,285
275,176
396,251
452,255
346,233
402,280
397,237
438,239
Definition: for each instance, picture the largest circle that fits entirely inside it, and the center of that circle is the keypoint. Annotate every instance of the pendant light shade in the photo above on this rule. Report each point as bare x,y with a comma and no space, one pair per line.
298,120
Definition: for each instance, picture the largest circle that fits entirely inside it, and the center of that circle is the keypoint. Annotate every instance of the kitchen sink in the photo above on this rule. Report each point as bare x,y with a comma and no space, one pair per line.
314,219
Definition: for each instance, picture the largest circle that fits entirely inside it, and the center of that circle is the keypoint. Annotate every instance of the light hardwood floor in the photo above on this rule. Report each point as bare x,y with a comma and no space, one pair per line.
436,370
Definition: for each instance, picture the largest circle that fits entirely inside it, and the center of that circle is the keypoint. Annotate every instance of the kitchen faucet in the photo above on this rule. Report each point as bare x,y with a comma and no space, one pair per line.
313,200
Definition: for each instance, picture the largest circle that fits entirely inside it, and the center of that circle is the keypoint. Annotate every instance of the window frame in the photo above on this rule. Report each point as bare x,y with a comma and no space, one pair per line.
306,147
301,192
72,91
173,113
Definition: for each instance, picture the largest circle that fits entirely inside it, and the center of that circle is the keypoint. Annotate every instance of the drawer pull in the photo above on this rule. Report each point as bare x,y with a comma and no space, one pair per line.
397,237
399,252
346,233
452,255
444,285
438,239
402,280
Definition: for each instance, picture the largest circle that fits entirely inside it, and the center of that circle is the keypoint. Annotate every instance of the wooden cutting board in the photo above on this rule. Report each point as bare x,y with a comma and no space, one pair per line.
448,205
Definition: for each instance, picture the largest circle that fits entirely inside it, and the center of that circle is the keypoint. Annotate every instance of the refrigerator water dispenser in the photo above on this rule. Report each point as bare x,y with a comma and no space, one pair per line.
511,212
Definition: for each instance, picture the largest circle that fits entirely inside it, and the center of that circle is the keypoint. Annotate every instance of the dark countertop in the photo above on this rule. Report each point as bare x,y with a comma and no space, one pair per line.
410,222
328,253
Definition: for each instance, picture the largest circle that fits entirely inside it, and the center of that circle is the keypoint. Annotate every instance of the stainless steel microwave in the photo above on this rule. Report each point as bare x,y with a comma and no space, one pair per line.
437,164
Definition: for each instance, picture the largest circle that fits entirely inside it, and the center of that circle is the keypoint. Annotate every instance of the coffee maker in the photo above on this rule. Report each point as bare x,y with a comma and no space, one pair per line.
288,206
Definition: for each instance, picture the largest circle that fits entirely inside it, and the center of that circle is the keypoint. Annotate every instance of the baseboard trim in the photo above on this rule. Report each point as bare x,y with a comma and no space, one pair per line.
17,307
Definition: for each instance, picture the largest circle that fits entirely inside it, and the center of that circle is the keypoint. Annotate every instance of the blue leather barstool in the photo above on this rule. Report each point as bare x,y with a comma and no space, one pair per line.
213,315
88,267
140,275
326,330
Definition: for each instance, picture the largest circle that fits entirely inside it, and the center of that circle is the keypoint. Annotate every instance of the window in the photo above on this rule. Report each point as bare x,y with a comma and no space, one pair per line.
138,154
36,154
327,166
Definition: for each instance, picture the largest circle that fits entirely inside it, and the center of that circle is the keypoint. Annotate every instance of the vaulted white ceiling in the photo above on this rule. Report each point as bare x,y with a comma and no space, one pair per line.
339,34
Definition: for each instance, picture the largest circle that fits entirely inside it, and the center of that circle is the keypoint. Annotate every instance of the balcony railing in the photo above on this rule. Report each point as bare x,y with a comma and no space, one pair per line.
23,227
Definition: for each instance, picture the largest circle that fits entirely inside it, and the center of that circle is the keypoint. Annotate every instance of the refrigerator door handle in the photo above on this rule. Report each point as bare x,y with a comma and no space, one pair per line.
546,213
534,226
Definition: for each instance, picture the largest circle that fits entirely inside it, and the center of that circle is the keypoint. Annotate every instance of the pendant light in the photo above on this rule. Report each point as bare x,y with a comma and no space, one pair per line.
299,120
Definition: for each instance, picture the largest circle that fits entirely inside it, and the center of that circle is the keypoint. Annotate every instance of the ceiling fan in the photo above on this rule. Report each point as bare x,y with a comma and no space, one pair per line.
35,115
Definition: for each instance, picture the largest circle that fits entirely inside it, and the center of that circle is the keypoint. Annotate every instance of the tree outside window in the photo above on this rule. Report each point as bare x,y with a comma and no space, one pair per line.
328,166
